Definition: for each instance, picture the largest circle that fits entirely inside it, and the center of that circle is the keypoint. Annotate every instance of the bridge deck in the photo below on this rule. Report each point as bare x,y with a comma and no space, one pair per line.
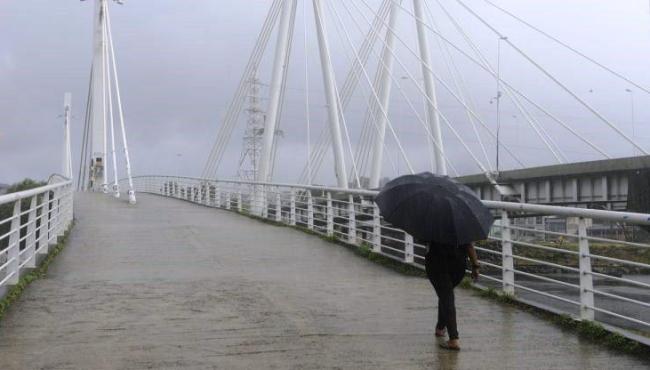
167,284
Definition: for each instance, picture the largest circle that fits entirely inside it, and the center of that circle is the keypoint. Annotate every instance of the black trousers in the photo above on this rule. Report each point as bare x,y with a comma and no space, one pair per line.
440,277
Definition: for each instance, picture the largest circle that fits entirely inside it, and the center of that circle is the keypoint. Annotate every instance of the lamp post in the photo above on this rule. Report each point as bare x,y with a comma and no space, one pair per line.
631,92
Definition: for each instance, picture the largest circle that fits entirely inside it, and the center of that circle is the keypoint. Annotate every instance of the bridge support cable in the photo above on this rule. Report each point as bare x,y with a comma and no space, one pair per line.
568,47
532,122
530,119
423,123
397,84
82,181
127,159
349,86
422,91
375,95
235,107
356,169
461,86
442,82
370,121
491,72
554,79
485,64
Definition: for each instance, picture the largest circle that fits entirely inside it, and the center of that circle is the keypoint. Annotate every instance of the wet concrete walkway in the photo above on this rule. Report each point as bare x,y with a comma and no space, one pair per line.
171,285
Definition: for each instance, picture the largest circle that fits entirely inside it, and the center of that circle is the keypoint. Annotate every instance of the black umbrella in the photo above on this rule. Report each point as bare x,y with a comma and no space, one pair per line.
434,208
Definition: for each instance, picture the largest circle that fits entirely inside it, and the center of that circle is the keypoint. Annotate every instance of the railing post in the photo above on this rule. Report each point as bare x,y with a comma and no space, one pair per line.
30,240
352,221
59,213
278,206
310,211
240,207
292,210
330,215
586,279
217,195
14,247
408,248
265,201
227,196
45,224
376,229
507,261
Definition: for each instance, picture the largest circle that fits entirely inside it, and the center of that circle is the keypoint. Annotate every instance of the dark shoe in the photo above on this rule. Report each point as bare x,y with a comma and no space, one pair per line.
446,345
440,333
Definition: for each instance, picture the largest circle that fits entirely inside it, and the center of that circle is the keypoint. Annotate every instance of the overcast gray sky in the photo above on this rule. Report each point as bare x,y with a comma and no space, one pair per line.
180,63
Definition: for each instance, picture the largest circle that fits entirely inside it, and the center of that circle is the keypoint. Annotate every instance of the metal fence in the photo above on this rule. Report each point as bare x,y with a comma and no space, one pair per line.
30,222
573,271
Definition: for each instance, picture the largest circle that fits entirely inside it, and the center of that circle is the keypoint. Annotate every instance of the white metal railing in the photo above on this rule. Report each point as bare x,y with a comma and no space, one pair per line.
37,218
514,258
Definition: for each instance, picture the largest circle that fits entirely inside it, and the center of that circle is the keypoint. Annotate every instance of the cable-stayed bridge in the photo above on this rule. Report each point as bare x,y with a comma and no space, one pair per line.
188,277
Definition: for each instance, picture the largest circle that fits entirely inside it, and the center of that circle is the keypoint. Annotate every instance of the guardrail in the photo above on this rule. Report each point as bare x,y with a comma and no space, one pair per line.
38,217
550,268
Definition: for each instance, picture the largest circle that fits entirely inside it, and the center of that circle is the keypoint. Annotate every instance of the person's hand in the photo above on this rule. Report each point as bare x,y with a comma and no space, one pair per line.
475,272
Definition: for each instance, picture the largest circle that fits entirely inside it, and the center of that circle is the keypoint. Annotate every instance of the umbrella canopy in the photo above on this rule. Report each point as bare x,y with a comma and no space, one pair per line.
434,208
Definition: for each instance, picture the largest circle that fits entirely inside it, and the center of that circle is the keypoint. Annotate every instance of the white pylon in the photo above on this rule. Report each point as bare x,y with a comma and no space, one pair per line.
67,153
98,116
430,88
333,108
385,85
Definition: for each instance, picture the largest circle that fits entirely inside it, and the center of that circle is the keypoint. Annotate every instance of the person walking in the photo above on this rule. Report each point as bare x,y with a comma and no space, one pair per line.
445,266
449,216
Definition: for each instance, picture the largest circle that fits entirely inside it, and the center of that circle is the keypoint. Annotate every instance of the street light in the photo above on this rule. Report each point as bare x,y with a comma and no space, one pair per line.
631,92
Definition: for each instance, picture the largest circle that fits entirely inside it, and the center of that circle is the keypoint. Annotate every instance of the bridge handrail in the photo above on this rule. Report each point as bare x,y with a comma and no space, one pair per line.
32,227
616,216
9,198
514,257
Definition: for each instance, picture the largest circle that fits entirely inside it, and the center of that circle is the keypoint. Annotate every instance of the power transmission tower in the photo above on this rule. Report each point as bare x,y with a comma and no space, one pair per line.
252,148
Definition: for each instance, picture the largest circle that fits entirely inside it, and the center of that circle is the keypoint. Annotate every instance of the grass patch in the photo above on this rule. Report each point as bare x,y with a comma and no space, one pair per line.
17,290
585,329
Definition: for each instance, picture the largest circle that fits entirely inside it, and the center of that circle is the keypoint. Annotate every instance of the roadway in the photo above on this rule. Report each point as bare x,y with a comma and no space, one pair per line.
167,284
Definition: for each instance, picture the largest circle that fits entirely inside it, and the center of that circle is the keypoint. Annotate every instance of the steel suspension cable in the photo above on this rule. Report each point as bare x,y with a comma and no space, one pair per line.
554,79
481,65
349,85
532,122
355,171
443,116
376,97
234,108
395,81
120,109
569,47
459,83
485,64
430,101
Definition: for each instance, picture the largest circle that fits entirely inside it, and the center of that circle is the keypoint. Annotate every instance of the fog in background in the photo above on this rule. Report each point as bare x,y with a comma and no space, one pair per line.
180,62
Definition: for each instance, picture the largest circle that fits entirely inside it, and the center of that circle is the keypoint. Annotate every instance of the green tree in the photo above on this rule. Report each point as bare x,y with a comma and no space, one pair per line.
6,210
